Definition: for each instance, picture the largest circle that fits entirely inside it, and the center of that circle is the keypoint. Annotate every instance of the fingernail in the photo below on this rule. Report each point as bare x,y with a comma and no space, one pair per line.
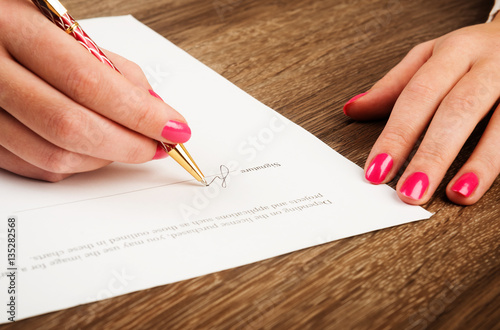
346,106
466,184
415,185
379,168
176,132
152,92
160,152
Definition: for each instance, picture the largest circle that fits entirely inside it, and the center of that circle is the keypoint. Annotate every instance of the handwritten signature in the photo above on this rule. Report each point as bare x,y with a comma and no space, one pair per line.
224,173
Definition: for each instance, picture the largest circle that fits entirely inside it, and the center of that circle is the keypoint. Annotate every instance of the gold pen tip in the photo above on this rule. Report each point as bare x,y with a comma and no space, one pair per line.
204,182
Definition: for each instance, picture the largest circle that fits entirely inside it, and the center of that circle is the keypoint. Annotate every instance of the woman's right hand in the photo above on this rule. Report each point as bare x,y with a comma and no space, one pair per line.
63,112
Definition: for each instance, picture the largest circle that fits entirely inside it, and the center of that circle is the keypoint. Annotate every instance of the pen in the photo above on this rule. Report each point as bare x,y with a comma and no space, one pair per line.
56,12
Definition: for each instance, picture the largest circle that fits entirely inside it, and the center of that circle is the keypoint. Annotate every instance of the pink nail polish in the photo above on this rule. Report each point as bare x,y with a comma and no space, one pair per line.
176,132
415,185
379,168
152,92
466,184
346,106
160,153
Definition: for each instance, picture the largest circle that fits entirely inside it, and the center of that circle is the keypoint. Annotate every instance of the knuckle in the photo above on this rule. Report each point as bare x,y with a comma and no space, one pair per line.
460,104
398,136
460,39
418,49
136,153
64,127
457,111
84,86
488,83
56,162
435,152
460,43
133,67
75,132
143,116
420,91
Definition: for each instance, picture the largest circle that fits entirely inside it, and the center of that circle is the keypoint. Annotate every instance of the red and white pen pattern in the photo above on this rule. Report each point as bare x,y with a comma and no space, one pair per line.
66,22
85,40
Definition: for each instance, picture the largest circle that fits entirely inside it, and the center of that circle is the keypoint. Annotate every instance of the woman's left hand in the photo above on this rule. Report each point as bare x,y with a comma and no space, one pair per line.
446,86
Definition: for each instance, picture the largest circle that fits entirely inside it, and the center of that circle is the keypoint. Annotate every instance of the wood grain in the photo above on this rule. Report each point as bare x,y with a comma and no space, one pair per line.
306,58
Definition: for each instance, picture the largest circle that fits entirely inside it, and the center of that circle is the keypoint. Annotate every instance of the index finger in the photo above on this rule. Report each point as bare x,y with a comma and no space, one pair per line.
68,67
412,113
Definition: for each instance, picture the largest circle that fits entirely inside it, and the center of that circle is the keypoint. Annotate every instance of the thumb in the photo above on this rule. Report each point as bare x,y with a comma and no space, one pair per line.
377,103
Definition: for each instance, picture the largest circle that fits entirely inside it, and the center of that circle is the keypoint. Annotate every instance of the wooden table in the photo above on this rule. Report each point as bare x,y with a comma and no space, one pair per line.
306,59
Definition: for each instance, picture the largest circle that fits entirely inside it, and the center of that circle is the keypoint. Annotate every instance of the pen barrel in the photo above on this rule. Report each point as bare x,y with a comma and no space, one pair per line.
71,27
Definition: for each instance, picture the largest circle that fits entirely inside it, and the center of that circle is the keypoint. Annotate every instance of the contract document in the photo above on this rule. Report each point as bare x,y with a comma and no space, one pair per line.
275,188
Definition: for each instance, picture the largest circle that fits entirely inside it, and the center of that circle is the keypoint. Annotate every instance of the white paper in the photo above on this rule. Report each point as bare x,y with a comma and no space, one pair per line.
125,228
